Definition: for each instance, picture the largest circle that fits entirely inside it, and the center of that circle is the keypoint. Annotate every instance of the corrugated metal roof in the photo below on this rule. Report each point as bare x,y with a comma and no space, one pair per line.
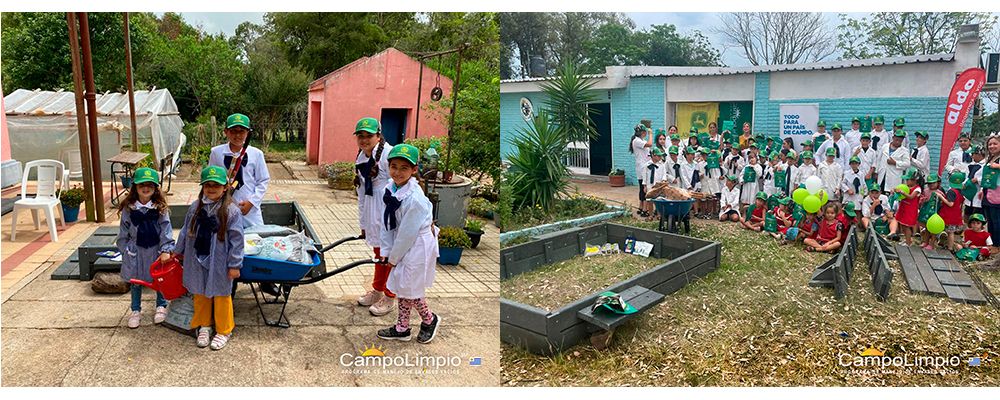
587,76
650,71
45,102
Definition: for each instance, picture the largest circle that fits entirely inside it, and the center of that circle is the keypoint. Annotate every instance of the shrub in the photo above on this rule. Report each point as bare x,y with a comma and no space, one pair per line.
451,236
617,172
481,207
71,198
537,174
474,225
340,175
505,205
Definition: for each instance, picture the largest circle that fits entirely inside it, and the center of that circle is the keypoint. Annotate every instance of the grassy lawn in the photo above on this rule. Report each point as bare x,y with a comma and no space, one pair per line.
756,322
286,151
573,206
553,286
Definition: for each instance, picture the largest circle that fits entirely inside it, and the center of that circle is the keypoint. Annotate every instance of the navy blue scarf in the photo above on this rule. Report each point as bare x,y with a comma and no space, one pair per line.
391,205
652,172
228,160
147,231
365,171
207,226
966,157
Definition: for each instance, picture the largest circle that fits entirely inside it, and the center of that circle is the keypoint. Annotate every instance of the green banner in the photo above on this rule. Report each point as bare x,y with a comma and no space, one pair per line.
736,111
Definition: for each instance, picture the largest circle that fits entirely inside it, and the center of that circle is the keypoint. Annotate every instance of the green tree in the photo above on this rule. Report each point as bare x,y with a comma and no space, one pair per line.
612,44
273,88
567,96
891,34
663,45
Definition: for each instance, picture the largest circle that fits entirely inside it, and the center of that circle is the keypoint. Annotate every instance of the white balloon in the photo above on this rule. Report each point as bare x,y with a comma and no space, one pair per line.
814,184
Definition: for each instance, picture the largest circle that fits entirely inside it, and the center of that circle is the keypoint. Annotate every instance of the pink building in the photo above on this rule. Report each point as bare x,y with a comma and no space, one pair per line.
383,86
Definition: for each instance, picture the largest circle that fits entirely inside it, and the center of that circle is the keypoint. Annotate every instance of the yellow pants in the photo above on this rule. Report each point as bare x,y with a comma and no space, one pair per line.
219,309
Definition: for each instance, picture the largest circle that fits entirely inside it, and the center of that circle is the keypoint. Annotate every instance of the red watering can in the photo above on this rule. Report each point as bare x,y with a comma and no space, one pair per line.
167,279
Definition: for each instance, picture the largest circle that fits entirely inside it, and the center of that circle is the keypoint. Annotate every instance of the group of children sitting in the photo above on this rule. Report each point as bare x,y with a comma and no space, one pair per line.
748,179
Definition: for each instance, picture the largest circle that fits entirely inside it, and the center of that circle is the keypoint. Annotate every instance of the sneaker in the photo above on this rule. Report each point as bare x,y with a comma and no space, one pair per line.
370,298
391,333
160,316
428,331
383,306
219,341
203,336
133,319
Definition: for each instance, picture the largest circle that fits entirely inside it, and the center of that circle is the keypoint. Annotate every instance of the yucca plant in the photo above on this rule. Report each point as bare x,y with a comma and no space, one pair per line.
537,173
568,94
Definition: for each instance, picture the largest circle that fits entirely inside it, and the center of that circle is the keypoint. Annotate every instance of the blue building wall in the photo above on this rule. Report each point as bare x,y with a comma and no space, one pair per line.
510,117
643,98
921,113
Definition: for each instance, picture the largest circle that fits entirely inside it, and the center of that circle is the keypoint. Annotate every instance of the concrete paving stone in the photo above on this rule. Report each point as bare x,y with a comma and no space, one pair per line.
45,357
463,342
300,312
53,314
304,356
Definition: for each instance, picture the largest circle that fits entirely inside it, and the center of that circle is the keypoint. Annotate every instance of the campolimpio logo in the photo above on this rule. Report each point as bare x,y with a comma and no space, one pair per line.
374,359
872,358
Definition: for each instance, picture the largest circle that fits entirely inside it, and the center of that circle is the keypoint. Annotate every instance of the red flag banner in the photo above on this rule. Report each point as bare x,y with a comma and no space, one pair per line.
963,96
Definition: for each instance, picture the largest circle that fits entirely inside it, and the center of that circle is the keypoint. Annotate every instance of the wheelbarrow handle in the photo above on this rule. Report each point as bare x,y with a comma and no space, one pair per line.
339,242
335,272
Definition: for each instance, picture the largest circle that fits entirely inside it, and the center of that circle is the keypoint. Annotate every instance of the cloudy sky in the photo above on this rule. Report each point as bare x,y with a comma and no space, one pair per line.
215,22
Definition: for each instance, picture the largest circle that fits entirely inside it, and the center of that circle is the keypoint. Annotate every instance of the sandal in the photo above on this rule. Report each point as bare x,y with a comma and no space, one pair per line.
219,341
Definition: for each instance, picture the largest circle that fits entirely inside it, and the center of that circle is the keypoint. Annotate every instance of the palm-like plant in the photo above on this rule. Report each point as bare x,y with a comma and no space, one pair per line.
568,94
537,173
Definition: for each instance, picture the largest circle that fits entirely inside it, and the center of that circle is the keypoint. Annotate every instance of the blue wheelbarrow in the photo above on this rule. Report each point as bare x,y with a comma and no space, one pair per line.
672,213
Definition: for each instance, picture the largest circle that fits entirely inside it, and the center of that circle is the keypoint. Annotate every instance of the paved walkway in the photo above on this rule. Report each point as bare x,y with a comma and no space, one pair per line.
60,333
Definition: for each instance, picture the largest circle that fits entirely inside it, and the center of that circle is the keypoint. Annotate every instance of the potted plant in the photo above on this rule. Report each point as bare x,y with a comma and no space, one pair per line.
451,241
481,207
340,175
71,199
474,228
617,177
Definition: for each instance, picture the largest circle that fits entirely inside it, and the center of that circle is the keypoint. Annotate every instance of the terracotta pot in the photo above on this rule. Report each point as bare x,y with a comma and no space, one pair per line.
616,180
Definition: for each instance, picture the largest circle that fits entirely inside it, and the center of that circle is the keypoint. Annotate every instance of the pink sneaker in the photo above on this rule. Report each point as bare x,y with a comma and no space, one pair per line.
133,319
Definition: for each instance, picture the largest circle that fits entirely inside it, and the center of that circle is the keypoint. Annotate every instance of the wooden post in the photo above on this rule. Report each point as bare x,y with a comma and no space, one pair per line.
128,83
91,99
81,121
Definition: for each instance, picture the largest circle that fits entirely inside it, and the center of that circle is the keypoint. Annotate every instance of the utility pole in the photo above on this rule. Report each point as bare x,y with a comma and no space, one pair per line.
91,99
81,117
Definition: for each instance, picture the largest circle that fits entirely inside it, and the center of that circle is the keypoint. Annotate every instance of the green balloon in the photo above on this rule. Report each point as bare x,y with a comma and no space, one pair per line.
823,198
903,188
811,203
935,224
799,194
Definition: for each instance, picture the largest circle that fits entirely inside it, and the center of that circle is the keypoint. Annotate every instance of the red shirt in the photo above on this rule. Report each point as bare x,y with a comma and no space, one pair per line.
829,230
952,215
847,221
757,214
976,238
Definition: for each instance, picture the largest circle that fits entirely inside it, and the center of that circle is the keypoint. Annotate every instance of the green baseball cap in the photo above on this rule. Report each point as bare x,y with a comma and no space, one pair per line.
731,177
774,155
673,150
407,152
807,154
761,195
964,135
613,302
921,134
878,120
873,187
830,151
237,120
143,175
931,178
899,133
784,201
855,119
900,122
978,217
854,159
368,124
689,150
675,136
821,123
836,127
957,179
807,143
910,174
978,149
703,150
866,135
656,152
849,209
792,154
693,130
214,173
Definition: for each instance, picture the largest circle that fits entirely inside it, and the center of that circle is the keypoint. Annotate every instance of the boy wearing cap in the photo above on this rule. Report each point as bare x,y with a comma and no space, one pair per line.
690,178
820,136
790,165
880,136
853,186
875,209
832,174
977,237
754,219
656,170
921,156
733,162
898,125
804,171
252,178
729,202
893,162
854,135
841,146
961,157
868,156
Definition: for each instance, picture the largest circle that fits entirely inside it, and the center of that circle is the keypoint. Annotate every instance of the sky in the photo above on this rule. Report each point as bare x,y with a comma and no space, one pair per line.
224,22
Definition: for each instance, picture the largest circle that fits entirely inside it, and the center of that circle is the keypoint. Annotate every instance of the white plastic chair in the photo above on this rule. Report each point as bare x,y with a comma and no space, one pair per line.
49,172
74,167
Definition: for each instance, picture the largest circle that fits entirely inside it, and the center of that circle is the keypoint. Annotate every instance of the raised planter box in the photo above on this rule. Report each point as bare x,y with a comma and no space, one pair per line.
543,332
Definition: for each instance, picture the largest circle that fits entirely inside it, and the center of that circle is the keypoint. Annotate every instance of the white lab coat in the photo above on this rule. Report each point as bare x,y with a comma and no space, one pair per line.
412,247
832,175
641,154
922,160
255,179
802,173
733,164
687,176
866,206
748,190
869,158
769,187
956,162
854,137
892,175
710,183
843,145
849,183
672,174
371,208
657,175
730,200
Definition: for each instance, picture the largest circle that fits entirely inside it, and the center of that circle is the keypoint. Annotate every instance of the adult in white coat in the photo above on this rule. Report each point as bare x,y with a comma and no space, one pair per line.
252,178
960,158
410,242
895,160
840,144
372,166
